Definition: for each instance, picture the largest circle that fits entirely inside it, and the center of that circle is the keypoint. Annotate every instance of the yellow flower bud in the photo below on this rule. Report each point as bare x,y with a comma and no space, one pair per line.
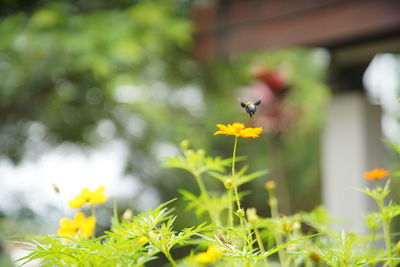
270,185
228,183
286,227
315,257
240,212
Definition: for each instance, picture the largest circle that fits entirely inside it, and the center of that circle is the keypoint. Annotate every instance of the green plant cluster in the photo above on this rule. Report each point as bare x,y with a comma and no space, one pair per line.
235,235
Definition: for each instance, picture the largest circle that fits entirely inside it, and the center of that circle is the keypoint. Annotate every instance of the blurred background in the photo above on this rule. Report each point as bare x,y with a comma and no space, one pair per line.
98,92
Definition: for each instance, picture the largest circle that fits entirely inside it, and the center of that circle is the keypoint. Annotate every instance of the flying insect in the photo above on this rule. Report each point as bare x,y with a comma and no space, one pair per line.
250,107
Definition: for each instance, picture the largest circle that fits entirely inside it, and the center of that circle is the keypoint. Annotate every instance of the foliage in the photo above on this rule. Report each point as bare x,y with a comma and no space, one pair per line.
233,237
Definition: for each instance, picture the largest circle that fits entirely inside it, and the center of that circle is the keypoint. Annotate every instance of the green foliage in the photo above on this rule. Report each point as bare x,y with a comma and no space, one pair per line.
65,68
303,239
121,246
196,162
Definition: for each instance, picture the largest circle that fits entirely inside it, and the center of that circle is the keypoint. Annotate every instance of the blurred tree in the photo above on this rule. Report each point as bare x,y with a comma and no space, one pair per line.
92,71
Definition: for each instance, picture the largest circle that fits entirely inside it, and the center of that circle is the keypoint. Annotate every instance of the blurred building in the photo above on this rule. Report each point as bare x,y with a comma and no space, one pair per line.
354,32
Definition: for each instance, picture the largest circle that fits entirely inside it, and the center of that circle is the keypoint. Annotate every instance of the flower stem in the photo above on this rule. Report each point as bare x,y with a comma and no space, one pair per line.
201,185
204,193
234,176
171,260
93,210
260,244
234,157
386,222
230,208
273,202
259,240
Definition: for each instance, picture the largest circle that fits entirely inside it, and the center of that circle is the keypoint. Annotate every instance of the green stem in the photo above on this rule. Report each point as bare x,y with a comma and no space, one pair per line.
230,208
260,244
201,185
273,202
234,176
62,205
259,240
93,210
171,260
234,157
233,188
204,193
386,222
116,220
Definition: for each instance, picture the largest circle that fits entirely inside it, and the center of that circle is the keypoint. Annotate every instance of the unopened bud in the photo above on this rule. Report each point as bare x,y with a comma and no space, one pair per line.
240,213
184,144
315,257
228,183
286,227
56,188
270,185
252,215
127,215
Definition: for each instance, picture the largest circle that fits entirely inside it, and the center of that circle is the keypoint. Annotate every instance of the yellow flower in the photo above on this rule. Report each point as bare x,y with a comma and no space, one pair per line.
376,174
79,225
203,257
87,196
142,240
238,129
213,253
98,196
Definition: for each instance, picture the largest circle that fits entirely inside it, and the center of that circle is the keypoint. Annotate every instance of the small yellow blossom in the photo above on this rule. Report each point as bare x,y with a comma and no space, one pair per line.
203,257
79,225
270,185
376,174
142,240
87,196
238,129
212,253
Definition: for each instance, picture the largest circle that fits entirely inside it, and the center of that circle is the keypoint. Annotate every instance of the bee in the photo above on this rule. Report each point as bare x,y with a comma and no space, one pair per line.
250,107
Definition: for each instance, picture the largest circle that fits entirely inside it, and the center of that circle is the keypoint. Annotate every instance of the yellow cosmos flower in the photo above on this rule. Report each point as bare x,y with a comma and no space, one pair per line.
79,225
86,196
212,253
376,174
238,129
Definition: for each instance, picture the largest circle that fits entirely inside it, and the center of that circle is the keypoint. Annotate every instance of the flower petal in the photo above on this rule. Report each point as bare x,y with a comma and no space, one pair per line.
88,226
98,196
77,202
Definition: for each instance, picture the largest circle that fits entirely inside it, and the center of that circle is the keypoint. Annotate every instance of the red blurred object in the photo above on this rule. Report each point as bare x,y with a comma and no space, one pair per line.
275,79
